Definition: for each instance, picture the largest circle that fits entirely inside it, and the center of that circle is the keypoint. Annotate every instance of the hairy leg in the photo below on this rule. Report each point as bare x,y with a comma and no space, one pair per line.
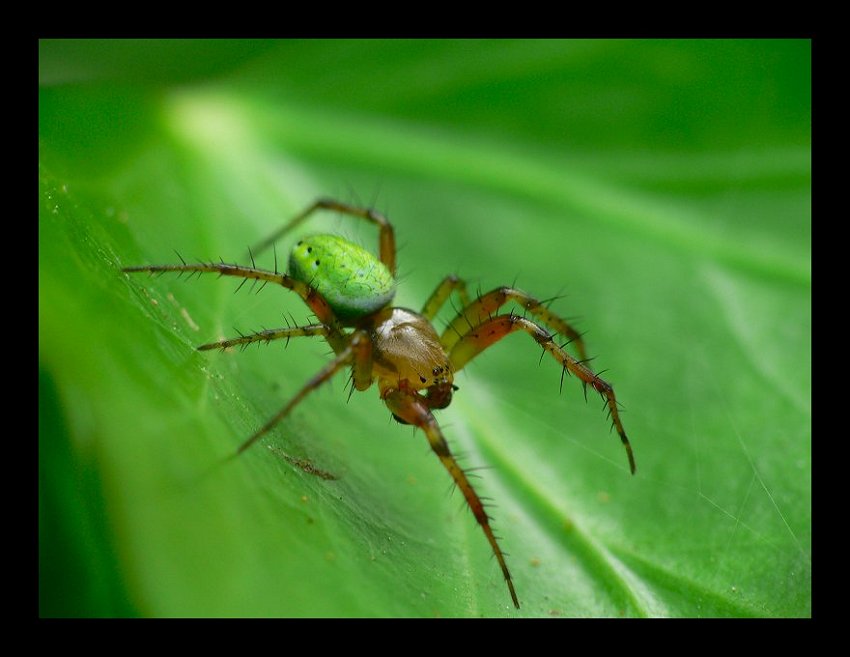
357,353
386,239
311,297
267,336
487,333
485,305
441,294
412,409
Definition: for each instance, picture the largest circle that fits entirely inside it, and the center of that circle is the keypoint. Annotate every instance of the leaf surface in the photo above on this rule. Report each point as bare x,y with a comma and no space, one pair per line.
663,188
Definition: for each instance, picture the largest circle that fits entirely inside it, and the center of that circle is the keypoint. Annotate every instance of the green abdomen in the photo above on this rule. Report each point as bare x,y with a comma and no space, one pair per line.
352,280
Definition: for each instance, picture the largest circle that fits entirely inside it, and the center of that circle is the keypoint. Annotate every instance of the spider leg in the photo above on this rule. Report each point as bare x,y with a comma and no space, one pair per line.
268,335
485,305
490,331
412,409
358,353
386,239
441,295
311,297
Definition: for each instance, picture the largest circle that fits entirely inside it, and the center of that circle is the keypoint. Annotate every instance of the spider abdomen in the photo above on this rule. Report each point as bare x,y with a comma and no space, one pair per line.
352,280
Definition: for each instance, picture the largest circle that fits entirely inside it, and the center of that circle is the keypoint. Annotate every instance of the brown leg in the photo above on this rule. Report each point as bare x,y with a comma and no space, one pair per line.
386,240
441,294
267,336
412,409
484,306
311,297
358,353
492,330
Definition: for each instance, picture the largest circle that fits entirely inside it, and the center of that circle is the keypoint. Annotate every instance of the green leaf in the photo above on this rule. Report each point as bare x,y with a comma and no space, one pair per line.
663,188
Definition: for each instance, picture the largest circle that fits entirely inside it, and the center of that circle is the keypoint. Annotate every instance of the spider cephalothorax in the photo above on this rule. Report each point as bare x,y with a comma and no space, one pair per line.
350,292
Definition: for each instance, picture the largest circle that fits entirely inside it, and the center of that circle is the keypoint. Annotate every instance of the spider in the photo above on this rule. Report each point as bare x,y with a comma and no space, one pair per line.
350,292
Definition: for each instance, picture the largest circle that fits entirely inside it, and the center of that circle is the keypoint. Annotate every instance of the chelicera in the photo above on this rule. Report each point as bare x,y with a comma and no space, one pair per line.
350,292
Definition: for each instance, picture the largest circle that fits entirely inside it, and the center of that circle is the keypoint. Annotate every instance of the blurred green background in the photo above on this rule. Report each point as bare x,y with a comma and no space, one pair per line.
662,187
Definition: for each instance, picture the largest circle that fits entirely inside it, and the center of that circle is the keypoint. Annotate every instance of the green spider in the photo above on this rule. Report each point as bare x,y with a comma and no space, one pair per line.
350,292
